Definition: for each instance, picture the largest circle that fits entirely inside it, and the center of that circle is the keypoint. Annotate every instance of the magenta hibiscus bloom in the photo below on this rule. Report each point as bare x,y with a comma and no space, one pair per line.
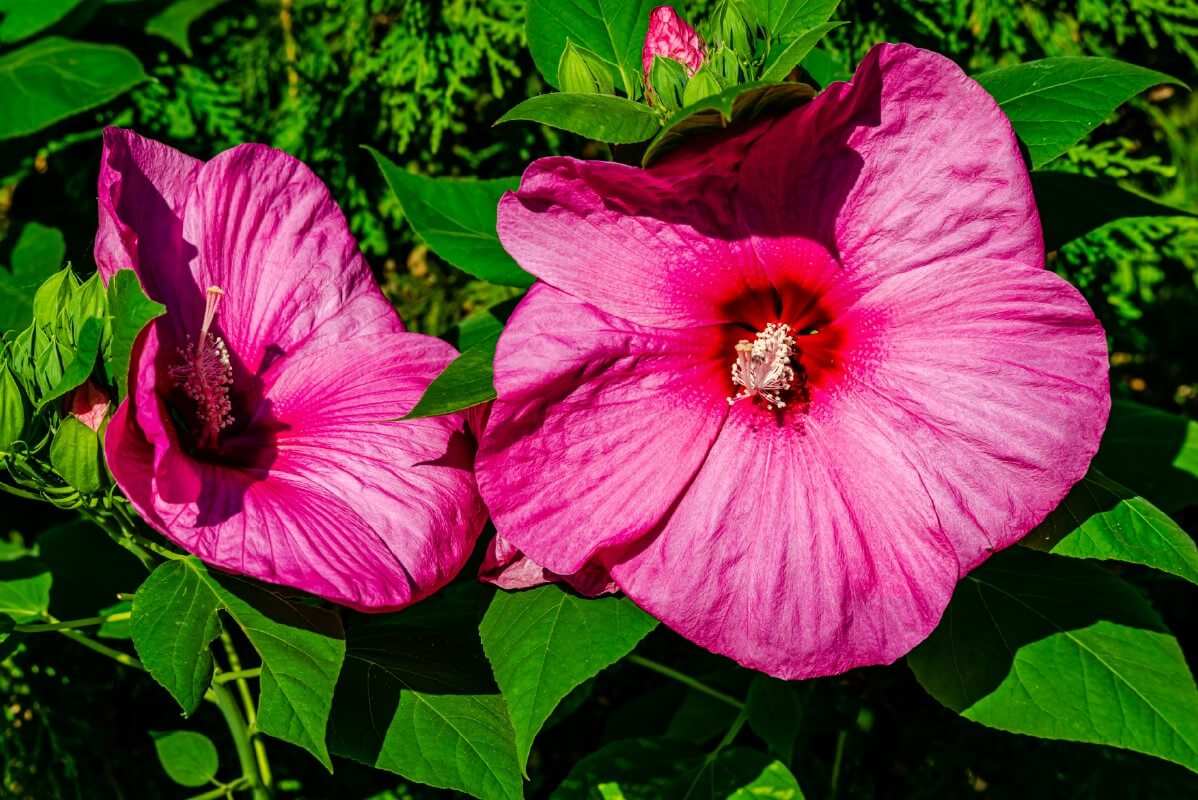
789,385
259,432
669,36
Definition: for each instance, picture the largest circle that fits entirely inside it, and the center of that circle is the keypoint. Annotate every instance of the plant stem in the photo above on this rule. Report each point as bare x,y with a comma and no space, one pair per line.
102,649
241,740
682,677
737,724
834,781
247,701
224,790
238,675
74,623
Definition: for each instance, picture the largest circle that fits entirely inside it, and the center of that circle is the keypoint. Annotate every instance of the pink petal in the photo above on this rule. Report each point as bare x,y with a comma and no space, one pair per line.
89,404
971,397
670,36
598,426
909,164
506,567
142,191
267,232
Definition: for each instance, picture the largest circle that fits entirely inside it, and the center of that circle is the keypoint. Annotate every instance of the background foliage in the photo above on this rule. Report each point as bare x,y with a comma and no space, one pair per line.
422,82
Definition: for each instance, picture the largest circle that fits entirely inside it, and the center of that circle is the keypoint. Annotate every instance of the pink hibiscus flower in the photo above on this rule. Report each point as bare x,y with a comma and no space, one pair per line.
259,432
669,36
790,384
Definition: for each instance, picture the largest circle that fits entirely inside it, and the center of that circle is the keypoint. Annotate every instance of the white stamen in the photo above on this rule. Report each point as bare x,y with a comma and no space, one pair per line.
214,293
763,366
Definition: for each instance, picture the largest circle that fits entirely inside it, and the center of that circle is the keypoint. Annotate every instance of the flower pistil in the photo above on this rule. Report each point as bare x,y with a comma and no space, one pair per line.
206,375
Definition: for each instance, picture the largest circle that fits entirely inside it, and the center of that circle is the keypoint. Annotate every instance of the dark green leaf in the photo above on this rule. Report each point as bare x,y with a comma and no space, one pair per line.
37,254
543,642
740,103
1102,519
1073,205
80,367
824,68
53,78
661,768
775,714
1062,649
189,758
129,312
457,220
788,57
1153,453
601,117
89,568
24,589
1054,102
614,30
12,410
466,382
174,22
75,455
787,18
301,647
20,19
417,698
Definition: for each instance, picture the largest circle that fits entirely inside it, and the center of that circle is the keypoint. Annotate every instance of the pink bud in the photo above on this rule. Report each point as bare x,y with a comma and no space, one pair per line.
89,404
670,36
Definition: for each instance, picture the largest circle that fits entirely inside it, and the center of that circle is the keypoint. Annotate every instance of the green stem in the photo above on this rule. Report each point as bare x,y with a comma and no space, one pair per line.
247,702
238,675
737,724
224,790
683,678
102,649
241,740
74,623
837,760
20,492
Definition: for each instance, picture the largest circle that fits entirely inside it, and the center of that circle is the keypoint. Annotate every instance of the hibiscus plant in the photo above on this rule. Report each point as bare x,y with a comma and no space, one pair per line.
790,399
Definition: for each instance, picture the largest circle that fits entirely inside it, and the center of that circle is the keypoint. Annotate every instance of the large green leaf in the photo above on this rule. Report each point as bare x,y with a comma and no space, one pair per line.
466,382
543,642
1062,649
614,30
302,647
601,117
457,219
784,59
1073,205
1102,519
775,713
189,758
1153,453
1054,102
20,19
129,312
54,78
417,698
661,768
174,22
37,254
789,18
24,588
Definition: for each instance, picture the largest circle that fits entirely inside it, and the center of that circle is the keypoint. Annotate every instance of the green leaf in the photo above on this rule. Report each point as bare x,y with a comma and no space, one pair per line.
580,70
20,19
703,84
75,455
1073,205
129,312
1102,519
89,568
457,219
118,629
80,367
173,23
53,78
786,18
787,58
1054,102
417,698
661,768
12,410
466,382
52,297
775,714
1062,649
740,103
24,588
825,68
189,758
37,254
601,117
1153,453
543,642
614,30
301,647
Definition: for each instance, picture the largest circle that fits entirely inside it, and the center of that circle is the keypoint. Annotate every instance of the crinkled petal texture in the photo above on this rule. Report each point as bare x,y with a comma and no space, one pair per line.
670,36
949,390
315,485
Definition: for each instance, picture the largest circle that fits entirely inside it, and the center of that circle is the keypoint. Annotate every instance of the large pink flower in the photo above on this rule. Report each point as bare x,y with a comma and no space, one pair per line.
789,385
259,432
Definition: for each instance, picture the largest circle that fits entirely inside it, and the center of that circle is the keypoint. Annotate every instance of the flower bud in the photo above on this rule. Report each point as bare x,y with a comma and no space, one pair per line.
89,404
671,37
580,70
731,22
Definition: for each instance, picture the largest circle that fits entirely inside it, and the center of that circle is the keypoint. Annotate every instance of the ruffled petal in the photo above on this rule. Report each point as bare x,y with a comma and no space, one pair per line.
598,422
143,189
909,164
506,567
269,234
